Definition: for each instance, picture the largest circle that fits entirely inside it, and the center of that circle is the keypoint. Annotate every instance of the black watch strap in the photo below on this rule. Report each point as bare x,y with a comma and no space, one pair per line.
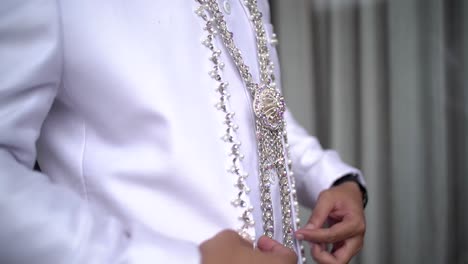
354,178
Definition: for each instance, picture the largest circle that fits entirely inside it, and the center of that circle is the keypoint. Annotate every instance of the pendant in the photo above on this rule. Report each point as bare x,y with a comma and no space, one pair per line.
269,107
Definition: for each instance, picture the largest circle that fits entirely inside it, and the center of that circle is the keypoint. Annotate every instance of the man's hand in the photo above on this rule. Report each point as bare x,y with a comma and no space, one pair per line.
228,247
342,207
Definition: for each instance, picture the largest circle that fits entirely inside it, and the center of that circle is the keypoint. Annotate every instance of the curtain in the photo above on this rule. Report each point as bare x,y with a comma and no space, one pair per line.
385,82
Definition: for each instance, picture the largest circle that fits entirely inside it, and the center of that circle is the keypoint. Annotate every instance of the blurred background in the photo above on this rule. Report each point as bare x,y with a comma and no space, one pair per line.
385,82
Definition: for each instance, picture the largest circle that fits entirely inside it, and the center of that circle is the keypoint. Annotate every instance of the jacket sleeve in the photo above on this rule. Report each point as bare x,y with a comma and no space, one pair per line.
315,169
42,222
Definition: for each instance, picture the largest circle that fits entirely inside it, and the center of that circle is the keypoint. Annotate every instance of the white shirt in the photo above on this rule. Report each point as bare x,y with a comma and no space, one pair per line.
114,100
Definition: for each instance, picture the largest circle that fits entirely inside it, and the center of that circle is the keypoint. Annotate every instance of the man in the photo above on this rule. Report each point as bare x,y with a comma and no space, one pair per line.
140,116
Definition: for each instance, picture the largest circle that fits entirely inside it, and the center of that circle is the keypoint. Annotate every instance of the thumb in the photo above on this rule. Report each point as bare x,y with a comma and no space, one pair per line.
268,245
276,250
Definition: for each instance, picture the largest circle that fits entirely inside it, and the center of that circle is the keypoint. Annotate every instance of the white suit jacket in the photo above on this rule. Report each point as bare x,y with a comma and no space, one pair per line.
114,100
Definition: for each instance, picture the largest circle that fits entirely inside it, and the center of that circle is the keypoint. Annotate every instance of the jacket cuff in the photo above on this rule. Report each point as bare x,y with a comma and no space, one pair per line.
354,178
321,176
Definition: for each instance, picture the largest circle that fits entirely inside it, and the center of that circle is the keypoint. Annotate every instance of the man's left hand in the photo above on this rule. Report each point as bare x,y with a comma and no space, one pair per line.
342,207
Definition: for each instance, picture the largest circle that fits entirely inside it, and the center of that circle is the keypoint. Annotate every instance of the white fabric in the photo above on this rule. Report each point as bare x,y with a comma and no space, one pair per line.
115,102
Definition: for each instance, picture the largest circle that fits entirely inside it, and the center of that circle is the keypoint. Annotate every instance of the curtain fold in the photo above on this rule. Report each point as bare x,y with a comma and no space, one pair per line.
375,125
386,84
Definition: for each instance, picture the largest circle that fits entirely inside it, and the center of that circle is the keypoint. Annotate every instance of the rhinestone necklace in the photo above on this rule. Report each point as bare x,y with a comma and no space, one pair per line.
270,126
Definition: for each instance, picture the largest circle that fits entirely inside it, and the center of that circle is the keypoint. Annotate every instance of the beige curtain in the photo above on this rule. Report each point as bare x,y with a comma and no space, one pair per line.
386,83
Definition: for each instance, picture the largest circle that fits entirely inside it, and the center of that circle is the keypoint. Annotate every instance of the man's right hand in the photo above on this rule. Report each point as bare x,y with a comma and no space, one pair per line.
229,248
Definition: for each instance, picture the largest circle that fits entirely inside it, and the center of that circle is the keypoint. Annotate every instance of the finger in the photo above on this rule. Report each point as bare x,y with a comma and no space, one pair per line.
321,255
321,211
350,248
338,232
323,246
337,246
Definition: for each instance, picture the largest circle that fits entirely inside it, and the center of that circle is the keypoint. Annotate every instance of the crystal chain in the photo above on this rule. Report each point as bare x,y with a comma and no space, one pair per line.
273,149
240,201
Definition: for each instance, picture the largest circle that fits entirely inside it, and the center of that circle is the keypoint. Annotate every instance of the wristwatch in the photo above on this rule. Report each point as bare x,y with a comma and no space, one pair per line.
352,177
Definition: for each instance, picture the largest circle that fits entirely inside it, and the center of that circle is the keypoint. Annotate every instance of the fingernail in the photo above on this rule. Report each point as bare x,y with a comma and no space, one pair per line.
310,226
